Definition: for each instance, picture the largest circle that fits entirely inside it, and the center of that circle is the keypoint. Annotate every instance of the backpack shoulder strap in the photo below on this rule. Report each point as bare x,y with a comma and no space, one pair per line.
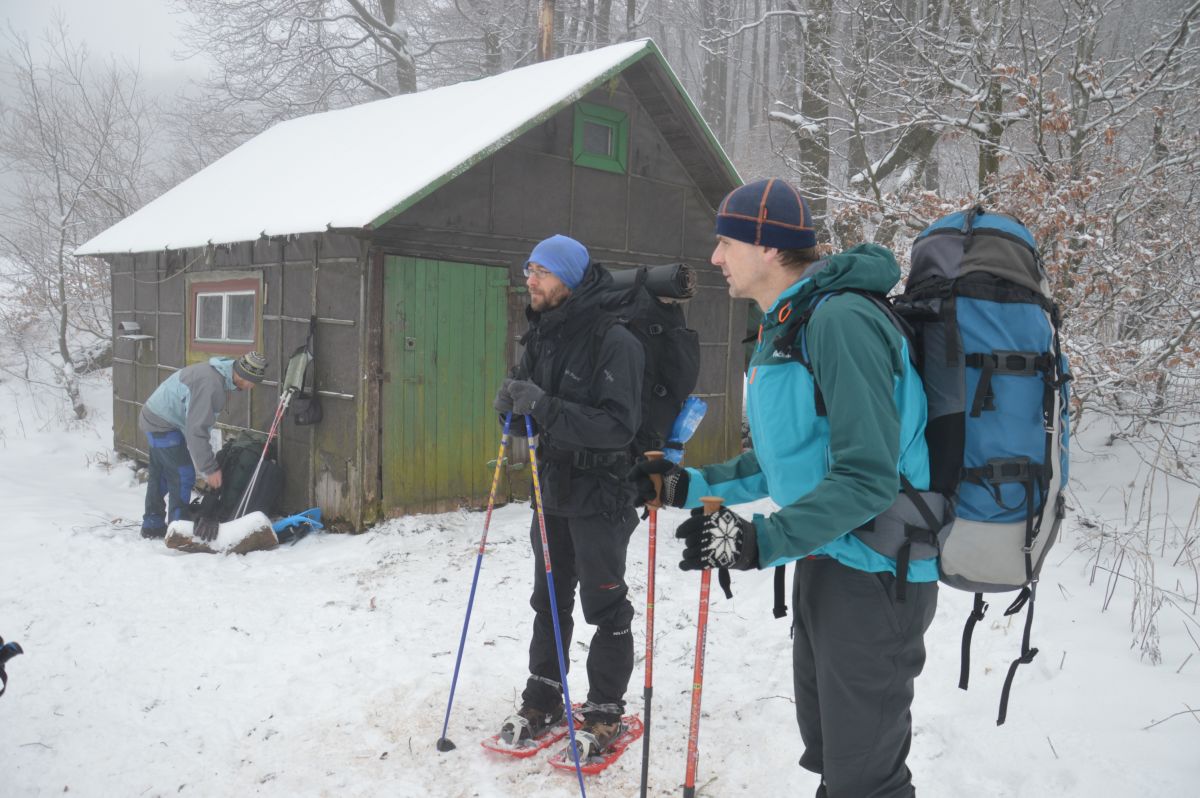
797,346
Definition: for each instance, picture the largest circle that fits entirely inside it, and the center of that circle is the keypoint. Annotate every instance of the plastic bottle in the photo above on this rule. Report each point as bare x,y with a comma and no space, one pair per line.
685,425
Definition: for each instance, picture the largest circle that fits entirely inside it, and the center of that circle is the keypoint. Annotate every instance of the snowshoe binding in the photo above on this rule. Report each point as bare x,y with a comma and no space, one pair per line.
527,732
597,735
529,724
601,741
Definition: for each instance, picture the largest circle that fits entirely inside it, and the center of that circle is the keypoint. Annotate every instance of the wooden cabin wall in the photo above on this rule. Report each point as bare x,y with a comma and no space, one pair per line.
322,275
494,212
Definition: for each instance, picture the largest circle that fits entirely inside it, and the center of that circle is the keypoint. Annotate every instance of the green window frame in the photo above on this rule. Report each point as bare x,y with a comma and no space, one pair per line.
591,123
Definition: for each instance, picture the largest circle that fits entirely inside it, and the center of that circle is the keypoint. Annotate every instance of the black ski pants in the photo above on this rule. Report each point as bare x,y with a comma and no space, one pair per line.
588,551
856,652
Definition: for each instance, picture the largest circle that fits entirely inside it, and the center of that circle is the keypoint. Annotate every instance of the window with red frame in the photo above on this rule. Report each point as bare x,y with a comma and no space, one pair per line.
225,316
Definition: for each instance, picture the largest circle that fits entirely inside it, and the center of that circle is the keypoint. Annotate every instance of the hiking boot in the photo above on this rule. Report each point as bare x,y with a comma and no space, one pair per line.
154,532
597,735
528,724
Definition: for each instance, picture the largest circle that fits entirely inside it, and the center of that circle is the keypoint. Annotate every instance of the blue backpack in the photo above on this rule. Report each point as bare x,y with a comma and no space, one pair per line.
987,341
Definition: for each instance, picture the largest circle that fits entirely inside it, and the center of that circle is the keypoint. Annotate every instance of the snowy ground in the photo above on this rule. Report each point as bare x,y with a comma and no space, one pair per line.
323,668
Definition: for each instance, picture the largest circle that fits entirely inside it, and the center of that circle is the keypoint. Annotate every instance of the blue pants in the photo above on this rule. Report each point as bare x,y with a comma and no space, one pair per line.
172,474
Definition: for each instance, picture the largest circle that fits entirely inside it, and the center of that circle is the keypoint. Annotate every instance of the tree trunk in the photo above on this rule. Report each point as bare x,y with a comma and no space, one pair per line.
546,31
989,142
406,70
860,56
764,90
715,71
603,22
814,107
752,112
70,379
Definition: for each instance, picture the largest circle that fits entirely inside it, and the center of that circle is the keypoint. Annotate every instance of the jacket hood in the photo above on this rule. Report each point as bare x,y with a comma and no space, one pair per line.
224,367
866,267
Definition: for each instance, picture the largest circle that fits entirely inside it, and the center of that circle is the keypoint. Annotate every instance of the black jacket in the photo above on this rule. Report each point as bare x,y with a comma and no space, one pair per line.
591,370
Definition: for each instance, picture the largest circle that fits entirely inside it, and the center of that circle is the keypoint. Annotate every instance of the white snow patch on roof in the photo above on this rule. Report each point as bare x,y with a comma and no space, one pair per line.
346,168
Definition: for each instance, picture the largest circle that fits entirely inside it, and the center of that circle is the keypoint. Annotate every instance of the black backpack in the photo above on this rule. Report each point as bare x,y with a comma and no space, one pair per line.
237,459
672,350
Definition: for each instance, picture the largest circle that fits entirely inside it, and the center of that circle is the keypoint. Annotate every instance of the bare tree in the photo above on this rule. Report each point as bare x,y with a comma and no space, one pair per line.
76,138
286,58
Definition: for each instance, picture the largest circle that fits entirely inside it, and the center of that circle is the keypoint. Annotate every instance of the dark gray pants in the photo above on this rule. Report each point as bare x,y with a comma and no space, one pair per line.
588,551
856,653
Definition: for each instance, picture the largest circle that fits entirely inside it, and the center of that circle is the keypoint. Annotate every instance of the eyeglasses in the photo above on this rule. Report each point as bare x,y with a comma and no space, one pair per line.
536,272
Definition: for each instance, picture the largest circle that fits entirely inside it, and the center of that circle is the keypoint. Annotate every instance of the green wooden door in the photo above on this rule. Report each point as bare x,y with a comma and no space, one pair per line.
445,332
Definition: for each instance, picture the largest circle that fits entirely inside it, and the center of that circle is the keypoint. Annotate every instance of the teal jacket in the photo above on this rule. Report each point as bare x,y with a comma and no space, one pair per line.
829,474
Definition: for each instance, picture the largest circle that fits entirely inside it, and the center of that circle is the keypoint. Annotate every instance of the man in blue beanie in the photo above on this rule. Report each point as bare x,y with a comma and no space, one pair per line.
580,380
837,413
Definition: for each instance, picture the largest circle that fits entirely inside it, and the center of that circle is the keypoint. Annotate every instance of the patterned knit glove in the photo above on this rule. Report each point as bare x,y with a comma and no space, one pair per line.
721,540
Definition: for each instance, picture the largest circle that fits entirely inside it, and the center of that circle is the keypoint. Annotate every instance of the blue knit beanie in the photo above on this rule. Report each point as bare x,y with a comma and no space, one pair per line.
767,213
564,257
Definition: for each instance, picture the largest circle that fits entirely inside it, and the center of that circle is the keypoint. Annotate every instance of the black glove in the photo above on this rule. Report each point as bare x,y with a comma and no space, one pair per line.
525,396
205,529
7,652
674,482
503,401
721,540
206,525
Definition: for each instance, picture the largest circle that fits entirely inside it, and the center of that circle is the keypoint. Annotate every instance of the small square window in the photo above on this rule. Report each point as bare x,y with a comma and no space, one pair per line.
601,139
225,316
597,139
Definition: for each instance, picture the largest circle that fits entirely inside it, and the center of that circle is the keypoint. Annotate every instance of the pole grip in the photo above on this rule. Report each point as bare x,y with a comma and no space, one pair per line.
655,480
711,504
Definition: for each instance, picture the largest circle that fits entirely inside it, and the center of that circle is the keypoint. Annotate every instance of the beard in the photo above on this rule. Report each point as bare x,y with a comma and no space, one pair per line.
543,300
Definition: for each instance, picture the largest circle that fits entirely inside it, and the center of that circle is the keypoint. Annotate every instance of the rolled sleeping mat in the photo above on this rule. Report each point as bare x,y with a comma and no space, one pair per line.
669,280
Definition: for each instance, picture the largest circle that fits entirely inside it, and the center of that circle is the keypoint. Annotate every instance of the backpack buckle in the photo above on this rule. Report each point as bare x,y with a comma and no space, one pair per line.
1006,469
587,460
1024,364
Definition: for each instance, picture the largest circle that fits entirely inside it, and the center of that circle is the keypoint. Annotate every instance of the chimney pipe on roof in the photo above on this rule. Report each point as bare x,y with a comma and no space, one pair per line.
546,31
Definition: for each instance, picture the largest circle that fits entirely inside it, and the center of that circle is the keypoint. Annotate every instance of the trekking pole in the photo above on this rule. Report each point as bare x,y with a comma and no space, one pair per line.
562,660
711,505
280,409
648,691
444,744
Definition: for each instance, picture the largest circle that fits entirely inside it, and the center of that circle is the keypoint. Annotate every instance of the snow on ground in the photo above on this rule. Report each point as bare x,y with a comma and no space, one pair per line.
323,668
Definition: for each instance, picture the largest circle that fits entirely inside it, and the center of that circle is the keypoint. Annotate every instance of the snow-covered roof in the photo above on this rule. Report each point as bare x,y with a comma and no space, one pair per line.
358,167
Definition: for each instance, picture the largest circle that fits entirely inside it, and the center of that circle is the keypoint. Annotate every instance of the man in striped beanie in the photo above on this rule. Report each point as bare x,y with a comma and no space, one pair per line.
837,413
177,421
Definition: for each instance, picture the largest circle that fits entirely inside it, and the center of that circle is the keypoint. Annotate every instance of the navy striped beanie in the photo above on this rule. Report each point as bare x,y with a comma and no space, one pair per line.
767,213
